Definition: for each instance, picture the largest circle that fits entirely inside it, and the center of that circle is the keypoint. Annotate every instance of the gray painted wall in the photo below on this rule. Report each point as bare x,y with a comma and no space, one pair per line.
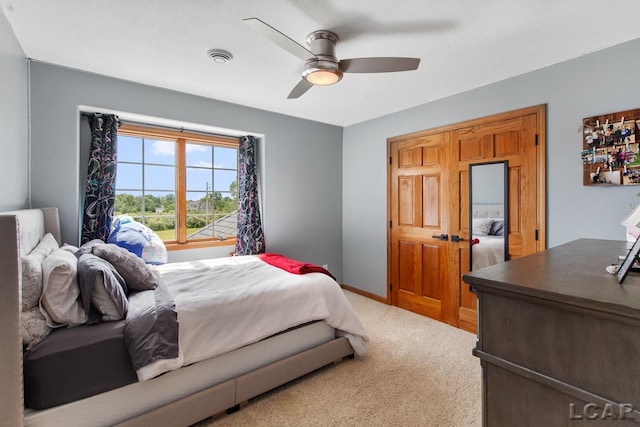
300,160
14,124
599,83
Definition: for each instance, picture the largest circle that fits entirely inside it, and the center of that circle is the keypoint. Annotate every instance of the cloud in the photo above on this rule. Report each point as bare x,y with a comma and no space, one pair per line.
203,164
163,148
167,148
195,147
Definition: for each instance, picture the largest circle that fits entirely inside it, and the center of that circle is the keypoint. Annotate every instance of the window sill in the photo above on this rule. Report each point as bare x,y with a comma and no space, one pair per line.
174,246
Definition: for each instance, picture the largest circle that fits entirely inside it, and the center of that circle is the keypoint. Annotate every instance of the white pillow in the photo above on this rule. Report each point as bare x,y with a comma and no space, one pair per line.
481,226
31,280
34,327
32,271
60,302
48,244
69,248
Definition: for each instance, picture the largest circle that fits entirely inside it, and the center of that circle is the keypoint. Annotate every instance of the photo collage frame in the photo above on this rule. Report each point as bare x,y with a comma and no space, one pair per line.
611,149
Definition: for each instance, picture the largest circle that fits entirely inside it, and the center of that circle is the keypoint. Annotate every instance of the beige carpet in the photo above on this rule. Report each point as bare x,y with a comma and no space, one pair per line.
418,372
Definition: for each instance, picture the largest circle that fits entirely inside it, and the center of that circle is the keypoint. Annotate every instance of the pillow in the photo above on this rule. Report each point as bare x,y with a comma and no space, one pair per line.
138,239
31,280
32,271
110,301
132,268
59,302
47,245
497,228
69,248
87,248
102,287
34,327
481,226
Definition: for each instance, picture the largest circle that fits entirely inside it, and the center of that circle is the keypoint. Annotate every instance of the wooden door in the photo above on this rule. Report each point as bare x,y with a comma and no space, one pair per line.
419,276
512,137
429,196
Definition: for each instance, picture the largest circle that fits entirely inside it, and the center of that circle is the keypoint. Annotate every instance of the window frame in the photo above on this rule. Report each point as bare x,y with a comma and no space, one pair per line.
182,138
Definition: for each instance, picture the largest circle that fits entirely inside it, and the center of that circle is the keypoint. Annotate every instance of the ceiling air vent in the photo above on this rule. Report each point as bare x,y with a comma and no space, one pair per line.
219,56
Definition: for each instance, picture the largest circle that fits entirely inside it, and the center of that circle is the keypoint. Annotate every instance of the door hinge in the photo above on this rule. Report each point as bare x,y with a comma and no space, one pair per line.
536,234
390,224
390,287
390,160
536,139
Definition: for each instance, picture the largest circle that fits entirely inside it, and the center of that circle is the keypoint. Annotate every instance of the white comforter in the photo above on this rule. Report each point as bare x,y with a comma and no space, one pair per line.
226,303
489,251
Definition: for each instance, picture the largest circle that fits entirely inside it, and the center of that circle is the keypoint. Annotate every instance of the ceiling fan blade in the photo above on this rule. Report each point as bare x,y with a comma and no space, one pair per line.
279,38
378,65
300,89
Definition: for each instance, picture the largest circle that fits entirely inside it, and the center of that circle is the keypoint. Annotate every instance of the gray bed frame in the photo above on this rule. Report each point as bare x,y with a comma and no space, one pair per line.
178,398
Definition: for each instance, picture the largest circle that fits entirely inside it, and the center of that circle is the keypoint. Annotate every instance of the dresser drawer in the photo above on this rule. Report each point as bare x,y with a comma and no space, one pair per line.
593,351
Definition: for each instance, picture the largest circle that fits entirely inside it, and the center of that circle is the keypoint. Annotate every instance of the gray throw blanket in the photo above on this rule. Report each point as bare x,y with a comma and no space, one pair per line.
151,327
151,323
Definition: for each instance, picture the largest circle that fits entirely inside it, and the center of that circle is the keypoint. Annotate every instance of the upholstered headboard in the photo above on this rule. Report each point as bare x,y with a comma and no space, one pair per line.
21,231
488,211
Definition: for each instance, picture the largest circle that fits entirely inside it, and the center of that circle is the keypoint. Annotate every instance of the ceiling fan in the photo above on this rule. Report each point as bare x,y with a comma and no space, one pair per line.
321,66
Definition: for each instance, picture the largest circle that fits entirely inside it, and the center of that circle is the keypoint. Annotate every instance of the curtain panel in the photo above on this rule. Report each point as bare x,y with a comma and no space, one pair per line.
100,187
250,238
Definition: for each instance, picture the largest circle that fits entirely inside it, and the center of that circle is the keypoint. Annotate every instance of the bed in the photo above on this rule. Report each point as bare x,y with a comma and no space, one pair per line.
200,381
488,230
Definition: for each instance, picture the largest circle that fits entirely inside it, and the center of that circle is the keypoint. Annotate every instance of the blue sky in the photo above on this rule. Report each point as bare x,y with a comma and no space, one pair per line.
159,178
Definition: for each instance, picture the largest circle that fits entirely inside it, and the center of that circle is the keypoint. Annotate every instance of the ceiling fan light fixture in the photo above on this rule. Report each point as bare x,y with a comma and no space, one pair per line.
323,77
322,73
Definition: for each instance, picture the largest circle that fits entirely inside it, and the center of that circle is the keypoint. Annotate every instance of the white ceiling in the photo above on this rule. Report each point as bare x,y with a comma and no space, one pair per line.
462,44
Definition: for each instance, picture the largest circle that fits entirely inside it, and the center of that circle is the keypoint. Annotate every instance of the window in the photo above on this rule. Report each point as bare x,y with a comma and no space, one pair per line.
182,185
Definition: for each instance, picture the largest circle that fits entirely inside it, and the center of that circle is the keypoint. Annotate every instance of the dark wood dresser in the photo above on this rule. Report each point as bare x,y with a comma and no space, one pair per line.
559,338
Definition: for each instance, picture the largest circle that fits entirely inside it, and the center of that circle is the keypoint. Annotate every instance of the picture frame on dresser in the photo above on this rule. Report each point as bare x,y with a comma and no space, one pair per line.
629,260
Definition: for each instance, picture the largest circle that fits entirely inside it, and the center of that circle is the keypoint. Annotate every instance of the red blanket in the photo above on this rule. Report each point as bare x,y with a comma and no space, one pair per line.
293,266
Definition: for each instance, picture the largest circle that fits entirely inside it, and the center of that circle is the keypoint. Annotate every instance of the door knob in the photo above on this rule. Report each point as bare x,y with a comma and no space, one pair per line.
444,237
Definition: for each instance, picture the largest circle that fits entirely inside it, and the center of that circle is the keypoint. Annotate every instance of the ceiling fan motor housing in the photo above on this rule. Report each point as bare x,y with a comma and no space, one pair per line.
322,43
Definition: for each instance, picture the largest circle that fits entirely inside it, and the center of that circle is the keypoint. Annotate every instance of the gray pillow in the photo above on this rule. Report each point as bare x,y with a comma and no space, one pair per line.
131,267
109,298
102,287
497,228
87,248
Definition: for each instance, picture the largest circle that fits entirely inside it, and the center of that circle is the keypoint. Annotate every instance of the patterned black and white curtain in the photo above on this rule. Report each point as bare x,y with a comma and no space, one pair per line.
250,238
100,187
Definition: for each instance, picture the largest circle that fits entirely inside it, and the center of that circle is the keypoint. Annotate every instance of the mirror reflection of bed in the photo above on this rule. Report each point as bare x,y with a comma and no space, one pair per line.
488,194
488,235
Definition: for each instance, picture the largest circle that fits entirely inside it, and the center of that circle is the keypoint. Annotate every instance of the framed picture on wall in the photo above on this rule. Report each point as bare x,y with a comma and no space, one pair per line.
611,149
